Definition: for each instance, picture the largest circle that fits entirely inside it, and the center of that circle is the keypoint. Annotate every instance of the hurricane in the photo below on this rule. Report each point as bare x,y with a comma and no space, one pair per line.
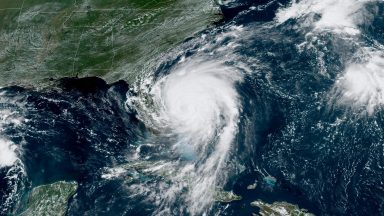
194,109
197,104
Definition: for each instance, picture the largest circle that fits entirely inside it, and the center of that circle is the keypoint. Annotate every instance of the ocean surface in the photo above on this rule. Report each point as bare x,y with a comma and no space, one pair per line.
286,95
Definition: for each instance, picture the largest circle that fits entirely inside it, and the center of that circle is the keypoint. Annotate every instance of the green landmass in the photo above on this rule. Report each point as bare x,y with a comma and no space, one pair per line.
279,209
225,196
114,39
50,200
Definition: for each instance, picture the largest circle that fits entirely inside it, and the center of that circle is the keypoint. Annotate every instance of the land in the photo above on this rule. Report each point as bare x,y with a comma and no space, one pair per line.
279,209
51,199
115,39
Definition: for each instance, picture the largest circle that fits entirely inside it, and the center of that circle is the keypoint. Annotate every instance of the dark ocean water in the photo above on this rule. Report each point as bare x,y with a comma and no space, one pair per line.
309,127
